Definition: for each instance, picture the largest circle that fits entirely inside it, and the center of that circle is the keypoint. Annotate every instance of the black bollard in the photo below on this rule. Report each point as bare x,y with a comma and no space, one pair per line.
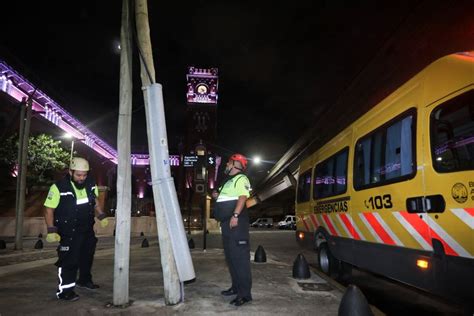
114,232
142,234
145,243
40,235
3,245
260,255
354,303
39,244
191,244
301,268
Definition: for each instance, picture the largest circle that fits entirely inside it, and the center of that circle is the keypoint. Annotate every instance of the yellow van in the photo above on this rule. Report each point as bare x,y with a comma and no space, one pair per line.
394,192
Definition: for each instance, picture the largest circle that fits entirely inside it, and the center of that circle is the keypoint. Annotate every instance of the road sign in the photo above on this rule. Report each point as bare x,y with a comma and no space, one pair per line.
190,161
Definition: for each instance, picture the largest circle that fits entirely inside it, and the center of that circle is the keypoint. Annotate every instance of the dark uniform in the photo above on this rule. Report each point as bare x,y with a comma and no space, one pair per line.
74,220
236,240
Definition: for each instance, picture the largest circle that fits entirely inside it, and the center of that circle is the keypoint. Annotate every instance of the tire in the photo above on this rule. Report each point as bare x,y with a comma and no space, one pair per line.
325,259
330,265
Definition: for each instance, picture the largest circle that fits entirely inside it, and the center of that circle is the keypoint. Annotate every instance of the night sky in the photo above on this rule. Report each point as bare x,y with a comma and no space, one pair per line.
281,64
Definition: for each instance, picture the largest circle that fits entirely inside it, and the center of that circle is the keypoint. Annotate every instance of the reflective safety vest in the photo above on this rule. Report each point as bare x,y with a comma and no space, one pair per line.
229,193
72,212
234,187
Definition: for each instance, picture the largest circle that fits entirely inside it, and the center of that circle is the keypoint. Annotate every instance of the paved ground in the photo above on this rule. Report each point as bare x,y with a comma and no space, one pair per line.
27,282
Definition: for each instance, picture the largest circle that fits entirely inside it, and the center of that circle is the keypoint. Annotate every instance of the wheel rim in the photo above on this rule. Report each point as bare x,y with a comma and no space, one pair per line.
324,260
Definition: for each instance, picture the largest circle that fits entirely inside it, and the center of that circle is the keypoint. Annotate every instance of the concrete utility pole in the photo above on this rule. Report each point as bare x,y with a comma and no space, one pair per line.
172,286
124,169
24,135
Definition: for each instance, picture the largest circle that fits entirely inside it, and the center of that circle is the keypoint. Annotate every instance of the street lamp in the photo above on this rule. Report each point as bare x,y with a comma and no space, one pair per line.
257,160
69,136
260,166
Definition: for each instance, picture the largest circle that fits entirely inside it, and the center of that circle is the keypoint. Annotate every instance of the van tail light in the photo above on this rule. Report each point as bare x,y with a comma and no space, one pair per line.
422,263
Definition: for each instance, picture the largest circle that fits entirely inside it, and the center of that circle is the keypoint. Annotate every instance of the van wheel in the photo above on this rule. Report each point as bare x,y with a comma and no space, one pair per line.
325,259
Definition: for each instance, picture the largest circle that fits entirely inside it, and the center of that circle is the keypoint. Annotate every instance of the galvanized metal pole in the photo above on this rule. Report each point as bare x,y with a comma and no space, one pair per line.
168,214
172,287
204,206
189,202
72,149
124,169
169,217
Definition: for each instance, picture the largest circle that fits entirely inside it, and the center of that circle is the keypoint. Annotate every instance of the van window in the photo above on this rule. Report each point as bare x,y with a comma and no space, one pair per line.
387,155
452,134
331,176
304,187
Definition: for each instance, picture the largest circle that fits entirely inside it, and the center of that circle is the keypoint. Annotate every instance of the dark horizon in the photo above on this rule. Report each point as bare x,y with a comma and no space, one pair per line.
280,67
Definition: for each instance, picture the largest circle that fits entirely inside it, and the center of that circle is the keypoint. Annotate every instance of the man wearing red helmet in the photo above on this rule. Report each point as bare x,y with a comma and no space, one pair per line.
230,210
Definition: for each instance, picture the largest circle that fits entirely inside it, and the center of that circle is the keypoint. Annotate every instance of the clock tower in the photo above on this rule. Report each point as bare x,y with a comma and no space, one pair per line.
199,161
201,99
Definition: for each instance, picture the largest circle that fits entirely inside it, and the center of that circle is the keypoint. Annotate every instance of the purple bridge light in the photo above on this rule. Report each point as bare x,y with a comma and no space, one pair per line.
19,88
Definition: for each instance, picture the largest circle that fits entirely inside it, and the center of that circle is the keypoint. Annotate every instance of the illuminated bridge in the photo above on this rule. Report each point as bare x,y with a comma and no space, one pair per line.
18,87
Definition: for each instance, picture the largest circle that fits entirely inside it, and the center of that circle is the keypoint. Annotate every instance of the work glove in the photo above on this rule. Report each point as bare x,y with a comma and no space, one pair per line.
103,220
53,235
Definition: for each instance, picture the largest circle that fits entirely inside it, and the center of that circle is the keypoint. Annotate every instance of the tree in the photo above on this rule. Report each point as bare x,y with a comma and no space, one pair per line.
45,156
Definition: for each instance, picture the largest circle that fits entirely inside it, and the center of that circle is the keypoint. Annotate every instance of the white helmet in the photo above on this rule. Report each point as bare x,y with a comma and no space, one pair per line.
79,164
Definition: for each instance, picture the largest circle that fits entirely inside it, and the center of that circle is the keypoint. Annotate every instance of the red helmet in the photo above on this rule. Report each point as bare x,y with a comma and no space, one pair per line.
240,158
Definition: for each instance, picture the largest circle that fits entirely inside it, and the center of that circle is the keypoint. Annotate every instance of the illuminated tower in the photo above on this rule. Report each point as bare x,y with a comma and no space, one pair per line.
199,159
201,99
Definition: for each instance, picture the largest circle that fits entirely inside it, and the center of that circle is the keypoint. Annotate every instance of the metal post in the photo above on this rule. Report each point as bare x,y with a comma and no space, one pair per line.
72,149
164,191
204,206
22,177
20,151
190,208
168,214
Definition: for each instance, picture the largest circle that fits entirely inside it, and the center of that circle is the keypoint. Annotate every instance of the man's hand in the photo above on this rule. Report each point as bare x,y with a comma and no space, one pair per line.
102,217
53,237
104,222
214,194
234,222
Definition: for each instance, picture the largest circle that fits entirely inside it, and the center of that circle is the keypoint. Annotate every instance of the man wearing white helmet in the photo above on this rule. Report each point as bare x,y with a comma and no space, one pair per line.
70,209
